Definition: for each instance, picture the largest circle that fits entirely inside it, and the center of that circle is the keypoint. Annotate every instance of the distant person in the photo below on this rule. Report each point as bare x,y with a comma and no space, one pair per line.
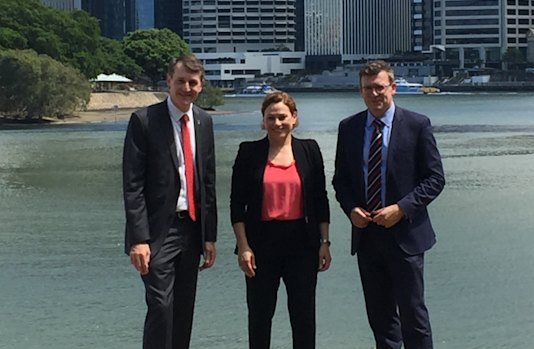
169,197
387,170
280,216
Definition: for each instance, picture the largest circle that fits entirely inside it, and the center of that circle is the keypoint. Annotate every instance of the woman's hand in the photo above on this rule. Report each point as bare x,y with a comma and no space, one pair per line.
324,257
247,262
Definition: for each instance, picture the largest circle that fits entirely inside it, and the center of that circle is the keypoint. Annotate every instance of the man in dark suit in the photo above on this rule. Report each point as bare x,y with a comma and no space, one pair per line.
387,170
169,197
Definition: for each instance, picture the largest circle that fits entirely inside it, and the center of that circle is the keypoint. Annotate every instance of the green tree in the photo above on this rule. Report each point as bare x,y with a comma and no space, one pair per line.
33,86
515,61
71,37
10,39
513,57
210,96
153,49
114,60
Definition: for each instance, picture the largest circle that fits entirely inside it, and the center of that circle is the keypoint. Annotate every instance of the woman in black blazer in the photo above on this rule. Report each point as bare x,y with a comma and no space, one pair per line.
280,216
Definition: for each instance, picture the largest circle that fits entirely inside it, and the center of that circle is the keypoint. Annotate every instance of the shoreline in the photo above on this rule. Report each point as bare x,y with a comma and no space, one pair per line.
88,117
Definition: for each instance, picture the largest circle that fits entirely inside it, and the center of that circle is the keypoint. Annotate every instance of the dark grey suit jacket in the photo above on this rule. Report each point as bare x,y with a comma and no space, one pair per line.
150,176
414,176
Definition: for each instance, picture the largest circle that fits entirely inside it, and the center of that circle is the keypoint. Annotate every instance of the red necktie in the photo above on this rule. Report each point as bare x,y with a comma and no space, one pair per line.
189,167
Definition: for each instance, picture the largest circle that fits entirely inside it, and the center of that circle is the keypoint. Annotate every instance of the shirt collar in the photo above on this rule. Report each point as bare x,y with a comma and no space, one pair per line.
387,118
176,114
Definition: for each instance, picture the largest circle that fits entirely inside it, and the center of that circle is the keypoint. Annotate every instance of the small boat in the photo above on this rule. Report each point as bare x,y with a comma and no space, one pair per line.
253,90
408,88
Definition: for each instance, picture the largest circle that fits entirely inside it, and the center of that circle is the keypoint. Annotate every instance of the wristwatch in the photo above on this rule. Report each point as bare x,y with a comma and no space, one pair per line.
325,241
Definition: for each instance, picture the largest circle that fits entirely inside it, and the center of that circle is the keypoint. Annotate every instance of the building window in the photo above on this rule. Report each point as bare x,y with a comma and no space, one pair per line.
224,21
291,60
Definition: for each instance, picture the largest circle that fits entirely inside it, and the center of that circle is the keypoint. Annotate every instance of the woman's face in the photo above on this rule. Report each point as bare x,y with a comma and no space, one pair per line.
278,120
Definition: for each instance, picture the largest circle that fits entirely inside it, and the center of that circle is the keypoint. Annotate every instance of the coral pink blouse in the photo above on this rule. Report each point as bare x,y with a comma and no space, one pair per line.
282,193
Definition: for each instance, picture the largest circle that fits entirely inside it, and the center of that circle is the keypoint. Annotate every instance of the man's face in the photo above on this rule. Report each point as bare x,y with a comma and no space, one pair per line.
377,92
184,87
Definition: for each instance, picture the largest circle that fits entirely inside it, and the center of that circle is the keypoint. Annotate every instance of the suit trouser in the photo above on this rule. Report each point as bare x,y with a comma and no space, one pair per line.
281,253
170,288
393,287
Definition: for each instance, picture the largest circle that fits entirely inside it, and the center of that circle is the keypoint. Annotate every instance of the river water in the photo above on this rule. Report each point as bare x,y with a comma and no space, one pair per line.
65,282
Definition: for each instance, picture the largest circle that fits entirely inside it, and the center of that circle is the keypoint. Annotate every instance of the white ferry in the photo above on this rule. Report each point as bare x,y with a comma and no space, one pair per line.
254,90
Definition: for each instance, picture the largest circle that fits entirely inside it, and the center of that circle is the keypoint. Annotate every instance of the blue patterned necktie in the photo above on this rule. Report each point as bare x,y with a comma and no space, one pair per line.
374,175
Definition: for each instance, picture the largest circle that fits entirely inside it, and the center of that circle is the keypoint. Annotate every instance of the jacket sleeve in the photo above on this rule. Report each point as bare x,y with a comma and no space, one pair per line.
320,194
342,180
238,188
133,175
430,173
209,186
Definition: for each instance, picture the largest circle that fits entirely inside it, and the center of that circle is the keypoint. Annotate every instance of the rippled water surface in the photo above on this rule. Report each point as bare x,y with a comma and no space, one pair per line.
65,282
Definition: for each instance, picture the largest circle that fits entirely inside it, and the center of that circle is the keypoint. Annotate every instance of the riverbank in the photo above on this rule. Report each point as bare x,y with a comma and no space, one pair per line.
105,107
123,100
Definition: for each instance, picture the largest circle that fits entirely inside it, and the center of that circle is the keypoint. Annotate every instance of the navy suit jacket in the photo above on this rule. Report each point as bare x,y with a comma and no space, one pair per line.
246,196
414,176
150,176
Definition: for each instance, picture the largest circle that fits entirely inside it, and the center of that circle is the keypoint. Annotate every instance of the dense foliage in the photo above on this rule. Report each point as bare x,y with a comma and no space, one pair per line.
153,49
210,96
43,50
33,86
71,37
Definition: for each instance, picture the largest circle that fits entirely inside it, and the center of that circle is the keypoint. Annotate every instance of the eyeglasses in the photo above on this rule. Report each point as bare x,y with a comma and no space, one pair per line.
376,88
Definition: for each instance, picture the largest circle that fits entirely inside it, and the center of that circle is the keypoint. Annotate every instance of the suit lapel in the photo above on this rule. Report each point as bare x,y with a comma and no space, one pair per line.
168,131
395,138
355,142
197,125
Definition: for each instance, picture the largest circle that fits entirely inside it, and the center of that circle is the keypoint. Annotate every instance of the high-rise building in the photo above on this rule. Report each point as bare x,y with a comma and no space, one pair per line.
116,16
323,34
519,19
470,30
422,35
239,26
168,14
144,14
346,31
66,5
376,28
477,33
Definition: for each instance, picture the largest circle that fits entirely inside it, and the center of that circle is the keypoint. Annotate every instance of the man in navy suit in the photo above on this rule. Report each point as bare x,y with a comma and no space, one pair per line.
392,233
169,197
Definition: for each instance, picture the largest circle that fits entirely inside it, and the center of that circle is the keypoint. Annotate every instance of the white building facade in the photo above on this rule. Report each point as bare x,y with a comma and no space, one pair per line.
239,26
241,40
375,29
66,5
323,24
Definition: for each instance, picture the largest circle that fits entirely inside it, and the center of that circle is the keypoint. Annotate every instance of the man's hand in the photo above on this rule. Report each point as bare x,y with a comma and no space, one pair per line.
360,217
388,216
140,257
210,253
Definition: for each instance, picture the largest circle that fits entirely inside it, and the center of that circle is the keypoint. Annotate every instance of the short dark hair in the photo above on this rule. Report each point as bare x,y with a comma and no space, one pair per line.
190,62
372,68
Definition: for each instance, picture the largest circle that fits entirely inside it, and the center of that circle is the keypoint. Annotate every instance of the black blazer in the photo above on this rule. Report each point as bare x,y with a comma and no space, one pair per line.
150,176
247,186
414,176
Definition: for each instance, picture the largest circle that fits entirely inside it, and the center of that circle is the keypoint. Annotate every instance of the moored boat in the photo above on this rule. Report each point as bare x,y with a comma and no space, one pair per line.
253,90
